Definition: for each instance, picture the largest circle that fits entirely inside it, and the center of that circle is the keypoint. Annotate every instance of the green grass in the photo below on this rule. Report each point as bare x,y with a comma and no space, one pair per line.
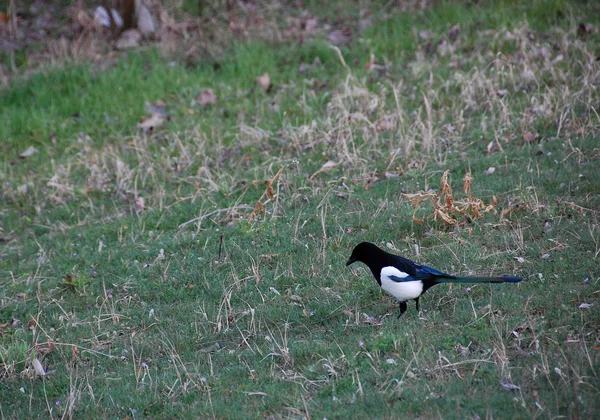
183,306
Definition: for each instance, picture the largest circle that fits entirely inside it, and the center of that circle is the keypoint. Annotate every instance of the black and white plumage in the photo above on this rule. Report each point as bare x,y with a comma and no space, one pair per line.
406,280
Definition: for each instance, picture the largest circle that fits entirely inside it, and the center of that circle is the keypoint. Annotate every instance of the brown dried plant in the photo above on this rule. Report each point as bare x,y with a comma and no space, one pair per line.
259,207
446,208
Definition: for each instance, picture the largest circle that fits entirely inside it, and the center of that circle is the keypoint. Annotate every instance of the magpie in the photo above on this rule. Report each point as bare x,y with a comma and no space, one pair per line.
406,280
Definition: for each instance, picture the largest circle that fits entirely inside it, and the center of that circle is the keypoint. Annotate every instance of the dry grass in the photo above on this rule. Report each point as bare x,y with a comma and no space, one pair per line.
208,273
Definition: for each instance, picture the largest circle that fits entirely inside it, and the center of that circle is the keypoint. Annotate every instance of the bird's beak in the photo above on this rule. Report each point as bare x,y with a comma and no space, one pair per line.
350,261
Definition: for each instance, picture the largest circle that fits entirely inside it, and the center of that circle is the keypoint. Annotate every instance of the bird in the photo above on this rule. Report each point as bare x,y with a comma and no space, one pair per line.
406,280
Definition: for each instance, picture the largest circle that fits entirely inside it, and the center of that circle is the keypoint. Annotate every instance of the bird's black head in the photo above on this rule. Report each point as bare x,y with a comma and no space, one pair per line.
363,252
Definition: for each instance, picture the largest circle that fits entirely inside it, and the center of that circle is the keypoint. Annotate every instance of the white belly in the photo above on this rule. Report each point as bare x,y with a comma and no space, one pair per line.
402,291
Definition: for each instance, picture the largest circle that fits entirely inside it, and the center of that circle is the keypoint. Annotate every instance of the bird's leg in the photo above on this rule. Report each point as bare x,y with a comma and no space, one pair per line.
402,308
417,301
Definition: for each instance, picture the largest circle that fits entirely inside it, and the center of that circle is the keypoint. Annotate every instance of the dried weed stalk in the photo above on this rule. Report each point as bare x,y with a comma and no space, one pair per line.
446,209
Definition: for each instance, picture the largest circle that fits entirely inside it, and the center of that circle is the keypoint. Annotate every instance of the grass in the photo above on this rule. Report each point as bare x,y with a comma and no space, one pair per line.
140,270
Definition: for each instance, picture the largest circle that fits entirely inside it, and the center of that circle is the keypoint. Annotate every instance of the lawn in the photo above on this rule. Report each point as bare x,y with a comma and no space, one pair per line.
197,268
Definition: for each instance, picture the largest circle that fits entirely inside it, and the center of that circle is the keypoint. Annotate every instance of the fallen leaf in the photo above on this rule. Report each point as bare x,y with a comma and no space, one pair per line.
439,214
264,80
467,183
508,386
208,97
139,204
311,25
528,137
584,29
160,256
385,124
326,167
340,37
259,210
464,351
425,34
557,59
490,170
144,20
158,107
129,39
82,18
37,366
29,152
149,124
3,17
32,322
454,31
101,17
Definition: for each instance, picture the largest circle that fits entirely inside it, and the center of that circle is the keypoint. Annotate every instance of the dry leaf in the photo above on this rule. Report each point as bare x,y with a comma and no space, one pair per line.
390,175
446,190
259,210
425,34
444,186
102,18
340,37
82,18
160,256
129,39
144,20
32,322
207,97
139,204
508,386
445,217
467,183
29,152
528,137
264,80
418,198
326,167
310,26
149,124
584,29
37,366
445,207
158,107
385,124
269,190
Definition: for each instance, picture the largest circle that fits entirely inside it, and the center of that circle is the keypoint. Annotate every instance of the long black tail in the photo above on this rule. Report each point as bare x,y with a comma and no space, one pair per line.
453,279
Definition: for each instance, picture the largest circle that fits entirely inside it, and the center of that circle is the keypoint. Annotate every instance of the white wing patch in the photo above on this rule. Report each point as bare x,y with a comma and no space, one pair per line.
402,291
